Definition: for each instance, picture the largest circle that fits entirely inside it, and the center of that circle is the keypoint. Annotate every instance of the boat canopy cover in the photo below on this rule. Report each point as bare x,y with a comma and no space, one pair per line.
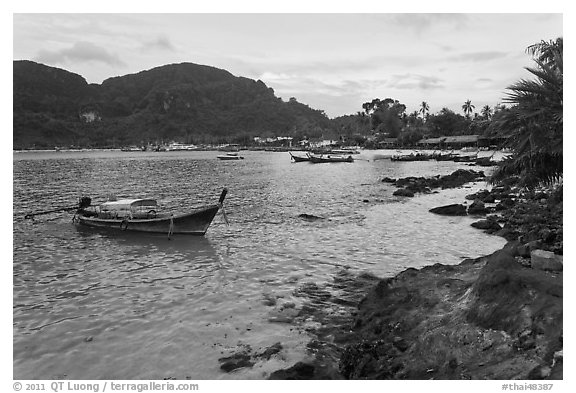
127,204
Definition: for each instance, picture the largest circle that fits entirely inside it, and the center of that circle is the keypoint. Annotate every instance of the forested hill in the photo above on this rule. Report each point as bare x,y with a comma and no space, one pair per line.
184,102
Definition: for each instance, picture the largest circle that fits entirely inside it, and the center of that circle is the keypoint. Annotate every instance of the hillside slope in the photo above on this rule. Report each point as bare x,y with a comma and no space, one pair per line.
186,102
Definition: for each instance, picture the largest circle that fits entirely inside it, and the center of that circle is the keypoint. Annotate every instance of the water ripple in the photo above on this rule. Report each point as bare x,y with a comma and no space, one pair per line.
97,305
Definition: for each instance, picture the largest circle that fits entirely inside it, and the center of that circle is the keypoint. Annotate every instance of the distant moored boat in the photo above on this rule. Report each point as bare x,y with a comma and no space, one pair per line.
299,158
330,158
230,156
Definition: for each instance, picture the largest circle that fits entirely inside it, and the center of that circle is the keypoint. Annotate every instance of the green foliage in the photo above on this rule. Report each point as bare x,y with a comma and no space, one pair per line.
468,108
424,108
534,124
386,116
411,136
446,123
487,112
350,125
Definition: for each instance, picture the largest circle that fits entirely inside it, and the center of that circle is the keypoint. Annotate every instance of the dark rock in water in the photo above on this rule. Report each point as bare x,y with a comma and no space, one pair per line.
450,210
477,208
488,225
298,371
478,195
403,192
417,184
238,360
425,185
310,217
271,350
460,177
388,180
269,300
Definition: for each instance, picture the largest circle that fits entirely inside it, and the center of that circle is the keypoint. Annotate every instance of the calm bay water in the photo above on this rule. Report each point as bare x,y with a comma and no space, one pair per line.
103,305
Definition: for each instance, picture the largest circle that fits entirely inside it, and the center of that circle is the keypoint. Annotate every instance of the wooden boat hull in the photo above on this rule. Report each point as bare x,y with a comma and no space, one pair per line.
445,157
230,157
320,160
464,158
410,158
299,158
193,223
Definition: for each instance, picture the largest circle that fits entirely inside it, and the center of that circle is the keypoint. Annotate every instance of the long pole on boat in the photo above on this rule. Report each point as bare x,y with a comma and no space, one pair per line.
84,202
31,215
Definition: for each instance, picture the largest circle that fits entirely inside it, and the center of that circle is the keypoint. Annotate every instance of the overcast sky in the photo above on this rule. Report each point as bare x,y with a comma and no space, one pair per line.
333,62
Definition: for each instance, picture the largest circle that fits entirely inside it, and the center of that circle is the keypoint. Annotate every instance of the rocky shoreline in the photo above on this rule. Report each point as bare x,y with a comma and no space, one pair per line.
495,317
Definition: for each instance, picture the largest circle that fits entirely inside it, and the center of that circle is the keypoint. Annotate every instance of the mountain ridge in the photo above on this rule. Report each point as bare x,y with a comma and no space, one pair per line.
185,102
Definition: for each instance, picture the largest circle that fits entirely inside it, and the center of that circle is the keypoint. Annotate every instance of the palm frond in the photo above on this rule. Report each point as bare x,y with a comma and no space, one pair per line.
534,123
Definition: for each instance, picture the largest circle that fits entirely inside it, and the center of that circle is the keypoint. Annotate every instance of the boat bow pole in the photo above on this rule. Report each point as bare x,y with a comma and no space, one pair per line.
221,205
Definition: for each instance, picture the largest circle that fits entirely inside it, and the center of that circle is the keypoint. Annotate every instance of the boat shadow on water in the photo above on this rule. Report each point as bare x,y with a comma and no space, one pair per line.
146,243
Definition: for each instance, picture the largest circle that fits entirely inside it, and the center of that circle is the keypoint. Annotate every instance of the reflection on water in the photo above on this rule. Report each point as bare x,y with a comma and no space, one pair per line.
101,305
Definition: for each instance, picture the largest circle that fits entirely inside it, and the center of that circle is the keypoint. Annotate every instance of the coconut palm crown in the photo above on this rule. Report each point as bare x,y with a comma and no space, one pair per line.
467,108
424,108
487,112
534,123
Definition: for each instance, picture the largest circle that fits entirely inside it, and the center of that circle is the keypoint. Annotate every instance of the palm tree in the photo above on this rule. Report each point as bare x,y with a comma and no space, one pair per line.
534,123
424,108
467,108
487,112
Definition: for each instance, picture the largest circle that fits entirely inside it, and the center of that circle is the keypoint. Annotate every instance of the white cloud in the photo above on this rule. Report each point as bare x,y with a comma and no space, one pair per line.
79,52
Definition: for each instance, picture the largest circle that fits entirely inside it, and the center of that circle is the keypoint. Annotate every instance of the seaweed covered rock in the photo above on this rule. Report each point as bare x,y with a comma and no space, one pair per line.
478,208
460,177
489,225
299,371
486,318
403,192
450,210
426,184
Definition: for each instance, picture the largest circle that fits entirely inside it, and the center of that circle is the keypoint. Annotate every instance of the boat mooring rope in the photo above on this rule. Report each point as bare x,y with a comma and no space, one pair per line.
171,228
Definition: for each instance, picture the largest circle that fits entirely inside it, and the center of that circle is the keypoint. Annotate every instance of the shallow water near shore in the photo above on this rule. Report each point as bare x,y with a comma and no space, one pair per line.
103,305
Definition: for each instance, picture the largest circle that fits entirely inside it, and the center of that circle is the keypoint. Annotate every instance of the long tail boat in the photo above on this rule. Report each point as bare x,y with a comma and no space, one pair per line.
299,158
141,215
330,158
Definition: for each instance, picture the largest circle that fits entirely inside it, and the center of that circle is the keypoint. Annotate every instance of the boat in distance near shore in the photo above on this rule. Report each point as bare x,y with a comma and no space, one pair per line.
330,158
299,158
230,156
141,215
412,157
